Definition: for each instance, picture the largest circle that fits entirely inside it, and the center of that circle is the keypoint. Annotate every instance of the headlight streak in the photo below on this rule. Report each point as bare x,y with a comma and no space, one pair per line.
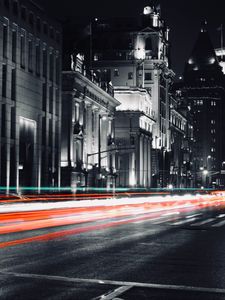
30,216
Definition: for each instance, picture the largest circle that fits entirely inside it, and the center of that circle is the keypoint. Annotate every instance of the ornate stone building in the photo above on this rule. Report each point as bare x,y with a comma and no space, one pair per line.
133,54
88,148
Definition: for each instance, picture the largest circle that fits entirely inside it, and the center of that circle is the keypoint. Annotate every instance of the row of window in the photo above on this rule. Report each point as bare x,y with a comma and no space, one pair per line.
177,122
28,44
200,102
44,91
34,21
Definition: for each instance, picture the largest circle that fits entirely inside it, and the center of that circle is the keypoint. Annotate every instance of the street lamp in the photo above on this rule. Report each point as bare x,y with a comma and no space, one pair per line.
205,172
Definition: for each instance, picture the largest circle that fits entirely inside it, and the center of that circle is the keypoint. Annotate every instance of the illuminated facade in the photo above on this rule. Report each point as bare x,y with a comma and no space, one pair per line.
88,148
220,53
203,88
30,96
133,54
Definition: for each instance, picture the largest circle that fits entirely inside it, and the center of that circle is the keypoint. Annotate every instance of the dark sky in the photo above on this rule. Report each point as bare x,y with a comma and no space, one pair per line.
183,17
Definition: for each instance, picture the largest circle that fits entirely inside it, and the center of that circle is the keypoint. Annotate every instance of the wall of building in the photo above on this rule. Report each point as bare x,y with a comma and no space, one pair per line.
30,96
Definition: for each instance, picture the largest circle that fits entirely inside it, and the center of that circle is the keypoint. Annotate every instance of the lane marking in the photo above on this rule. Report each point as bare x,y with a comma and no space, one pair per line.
118,283
203,222
221,223
184,222
195,215
221,216
111,295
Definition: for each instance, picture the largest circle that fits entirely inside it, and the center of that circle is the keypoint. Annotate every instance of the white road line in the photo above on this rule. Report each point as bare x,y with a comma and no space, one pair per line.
111,295
204,222
191,216
221,223
221,216
184,221
118,283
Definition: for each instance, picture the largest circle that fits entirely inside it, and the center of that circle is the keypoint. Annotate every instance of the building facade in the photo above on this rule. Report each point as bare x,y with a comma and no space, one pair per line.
203,87
88,145
133,54
30,96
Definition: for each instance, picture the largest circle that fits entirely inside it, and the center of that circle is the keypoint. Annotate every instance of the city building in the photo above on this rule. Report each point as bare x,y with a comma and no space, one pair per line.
204,90
88,146
30,96
133,53
181,128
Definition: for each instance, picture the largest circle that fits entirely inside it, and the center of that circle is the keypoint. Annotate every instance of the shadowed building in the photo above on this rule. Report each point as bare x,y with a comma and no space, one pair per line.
30,96
204,89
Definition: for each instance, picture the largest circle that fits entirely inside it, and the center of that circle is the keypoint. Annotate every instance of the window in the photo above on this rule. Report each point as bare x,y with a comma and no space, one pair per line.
38,24
116,72
51,65
51,99
31,19
130,75
44,96
57,37
57,69
213,103
37,56
45,28
5,40
22,48
148,76
3,123
4,80
30,55
6,3
13,84
15,8
43,131
52,33
14,45
13,123
213,122
23,13
199,102
50,130
45,62
57,101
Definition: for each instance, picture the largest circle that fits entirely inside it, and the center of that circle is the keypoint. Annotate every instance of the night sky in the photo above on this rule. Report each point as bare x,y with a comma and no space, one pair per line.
183,17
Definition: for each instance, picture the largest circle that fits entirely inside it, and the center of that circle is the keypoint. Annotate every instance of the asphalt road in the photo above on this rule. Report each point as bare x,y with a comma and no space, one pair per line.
175,257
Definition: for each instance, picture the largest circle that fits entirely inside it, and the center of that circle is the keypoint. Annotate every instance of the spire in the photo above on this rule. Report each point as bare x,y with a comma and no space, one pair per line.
203,56
204,26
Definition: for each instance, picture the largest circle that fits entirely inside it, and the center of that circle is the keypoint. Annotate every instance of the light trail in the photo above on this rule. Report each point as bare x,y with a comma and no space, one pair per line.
21,217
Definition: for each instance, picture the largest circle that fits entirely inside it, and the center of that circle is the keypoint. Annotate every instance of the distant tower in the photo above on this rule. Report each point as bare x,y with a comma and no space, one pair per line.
204,85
